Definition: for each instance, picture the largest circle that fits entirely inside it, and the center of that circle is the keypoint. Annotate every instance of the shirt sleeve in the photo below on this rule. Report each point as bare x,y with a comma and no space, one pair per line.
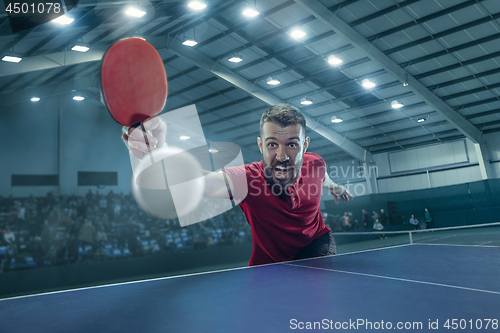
318,165
238,176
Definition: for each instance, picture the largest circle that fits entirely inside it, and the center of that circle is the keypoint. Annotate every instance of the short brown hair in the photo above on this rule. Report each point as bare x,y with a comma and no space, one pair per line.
283,115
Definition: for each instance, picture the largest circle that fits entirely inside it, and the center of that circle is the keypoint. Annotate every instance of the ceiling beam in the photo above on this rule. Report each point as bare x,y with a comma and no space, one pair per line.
451,50
64,58
47,91
112,3
81,83
444,33
382,12
217,69
51,60
400,131
424,19
460,64
343,29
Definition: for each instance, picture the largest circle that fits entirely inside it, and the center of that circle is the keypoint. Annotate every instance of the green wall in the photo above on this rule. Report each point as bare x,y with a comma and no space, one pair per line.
470,203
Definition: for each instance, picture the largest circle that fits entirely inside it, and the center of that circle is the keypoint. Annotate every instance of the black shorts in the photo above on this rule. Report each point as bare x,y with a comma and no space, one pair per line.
322,246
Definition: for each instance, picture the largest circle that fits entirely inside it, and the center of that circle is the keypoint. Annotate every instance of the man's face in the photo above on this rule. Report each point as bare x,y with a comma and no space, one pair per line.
283,151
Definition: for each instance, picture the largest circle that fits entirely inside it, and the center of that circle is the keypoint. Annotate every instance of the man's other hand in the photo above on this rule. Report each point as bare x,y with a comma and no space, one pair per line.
340,192
139,143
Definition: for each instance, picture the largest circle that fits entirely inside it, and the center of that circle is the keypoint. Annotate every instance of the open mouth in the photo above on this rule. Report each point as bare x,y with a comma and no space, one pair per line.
282,172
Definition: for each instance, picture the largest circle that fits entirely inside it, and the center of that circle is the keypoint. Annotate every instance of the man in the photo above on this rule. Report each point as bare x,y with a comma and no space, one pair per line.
374,216
377,226
282,205
87,233
9,236
414,222
364,218
383,217
346,224
428,219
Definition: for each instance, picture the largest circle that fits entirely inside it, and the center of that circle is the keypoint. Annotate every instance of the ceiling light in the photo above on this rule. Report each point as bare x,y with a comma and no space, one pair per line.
185,137
396,105
198,5
368,84
405,84
213,150
78,98
135,12
250,12
336,119
305,101
236,58
35,99
12,59
333,60
273,81
63,20
297,33
80,48
421,120
190,42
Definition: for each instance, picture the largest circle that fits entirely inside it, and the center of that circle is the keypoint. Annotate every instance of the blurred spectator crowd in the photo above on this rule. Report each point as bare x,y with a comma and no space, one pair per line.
348,222
60,230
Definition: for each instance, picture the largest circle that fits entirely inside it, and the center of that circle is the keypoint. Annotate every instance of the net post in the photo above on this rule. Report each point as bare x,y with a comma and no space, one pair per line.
411,237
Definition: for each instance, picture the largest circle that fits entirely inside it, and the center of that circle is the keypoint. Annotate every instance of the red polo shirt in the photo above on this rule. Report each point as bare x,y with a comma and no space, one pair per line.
281,225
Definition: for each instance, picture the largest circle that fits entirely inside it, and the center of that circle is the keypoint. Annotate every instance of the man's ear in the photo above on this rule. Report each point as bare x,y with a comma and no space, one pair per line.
259,143
306,143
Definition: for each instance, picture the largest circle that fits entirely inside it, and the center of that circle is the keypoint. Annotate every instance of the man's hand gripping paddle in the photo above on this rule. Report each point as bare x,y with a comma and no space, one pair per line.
133,82
134,89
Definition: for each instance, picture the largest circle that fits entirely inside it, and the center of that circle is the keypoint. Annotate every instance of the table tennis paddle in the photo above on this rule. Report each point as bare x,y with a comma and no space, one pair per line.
133,81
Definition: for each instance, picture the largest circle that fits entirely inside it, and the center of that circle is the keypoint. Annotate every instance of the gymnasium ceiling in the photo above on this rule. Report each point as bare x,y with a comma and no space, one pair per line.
439,58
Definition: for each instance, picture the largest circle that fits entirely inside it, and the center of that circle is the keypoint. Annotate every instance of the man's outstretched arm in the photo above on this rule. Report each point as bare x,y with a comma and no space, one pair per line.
338,191
139,143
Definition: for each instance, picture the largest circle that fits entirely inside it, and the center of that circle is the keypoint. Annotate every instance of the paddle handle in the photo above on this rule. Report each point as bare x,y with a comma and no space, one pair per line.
141,126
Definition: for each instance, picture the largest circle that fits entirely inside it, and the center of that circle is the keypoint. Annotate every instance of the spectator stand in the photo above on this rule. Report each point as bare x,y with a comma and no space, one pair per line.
53,222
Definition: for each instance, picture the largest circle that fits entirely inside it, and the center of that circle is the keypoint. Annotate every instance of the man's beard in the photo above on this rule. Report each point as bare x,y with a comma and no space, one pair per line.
281,175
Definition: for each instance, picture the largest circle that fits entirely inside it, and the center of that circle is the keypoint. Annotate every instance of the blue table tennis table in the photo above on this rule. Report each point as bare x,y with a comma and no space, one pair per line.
416,288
